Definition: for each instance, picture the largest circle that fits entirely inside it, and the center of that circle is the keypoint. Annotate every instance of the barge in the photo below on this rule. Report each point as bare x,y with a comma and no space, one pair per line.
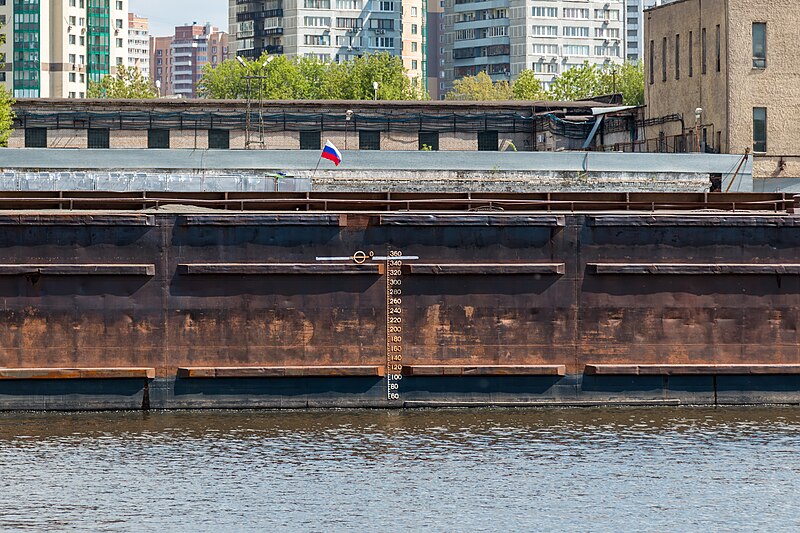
294,300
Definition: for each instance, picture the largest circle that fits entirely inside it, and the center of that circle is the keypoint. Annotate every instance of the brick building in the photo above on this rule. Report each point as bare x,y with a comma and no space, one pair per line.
351,125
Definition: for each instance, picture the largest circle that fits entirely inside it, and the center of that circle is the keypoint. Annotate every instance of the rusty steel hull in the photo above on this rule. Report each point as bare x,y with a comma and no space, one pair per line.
226,309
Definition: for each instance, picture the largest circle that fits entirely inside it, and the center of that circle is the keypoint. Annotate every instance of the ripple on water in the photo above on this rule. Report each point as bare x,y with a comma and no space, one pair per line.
482,469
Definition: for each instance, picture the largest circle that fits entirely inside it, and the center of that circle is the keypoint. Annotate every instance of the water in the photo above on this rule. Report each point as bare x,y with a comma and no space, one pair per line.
437,470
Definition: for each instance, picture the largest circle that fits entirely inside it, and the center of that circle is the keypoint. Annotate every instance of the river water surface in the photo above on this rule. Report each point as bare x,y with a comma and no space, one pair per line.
658,469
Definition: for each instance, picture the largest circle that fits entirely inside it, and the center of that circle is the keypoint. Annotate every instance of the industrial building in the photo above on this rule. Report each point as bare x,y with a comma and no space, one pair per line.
725,67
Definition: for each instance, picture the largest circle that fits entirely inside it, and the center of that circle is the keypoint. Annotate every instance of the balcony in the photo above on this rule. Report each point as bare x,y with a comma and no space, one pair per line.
258,15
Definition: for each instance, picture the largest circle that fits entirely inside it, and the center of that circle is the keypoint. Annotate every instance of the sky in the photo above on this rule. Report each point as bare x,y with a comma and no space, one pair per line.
164,15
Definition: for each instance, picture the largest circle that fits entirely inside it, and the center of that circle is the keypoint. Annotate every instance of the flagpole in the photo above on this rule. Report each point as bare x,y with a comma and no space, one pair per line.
313,174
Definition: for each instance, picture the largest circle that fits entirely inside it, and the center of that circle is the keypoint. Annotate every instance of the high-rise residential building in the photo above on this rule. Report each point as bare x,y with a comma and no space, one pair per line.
139,44
161,64
435,48
55,48
634,26
546,36
177,61
335,30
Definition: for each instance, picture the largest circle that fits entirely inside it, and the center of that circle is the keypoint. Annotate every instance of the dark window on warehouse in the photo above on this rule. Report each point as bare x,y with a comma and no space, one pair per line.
719,48
487,141
35,137
760,129
369,140
429,140
664,59
691,51
704,51
677,57
652,58
157,138
310,140
97,138
759,45
219,139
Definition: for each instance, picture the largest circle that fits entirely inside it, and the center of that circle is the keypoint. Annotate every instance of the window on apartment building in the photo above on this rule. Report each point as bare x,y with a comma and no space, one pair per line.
652,59
35,137
664,59
718,45
310,140
71,39
677,57
759,45
703,52
414,46
119,42
429,140
414,29
72,77
760,129
691,52
119,5
369,140
219,139
488,141
98,138
157,138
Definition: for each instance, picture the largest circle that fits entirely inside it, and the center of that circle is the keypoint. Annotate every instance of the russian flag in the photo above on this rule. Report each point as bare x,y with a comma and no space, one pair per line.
331,153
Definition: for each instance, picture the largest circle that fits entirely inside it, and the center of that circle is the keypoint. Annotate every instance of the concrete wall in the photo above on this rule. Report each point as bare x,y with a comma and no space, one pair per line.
227,170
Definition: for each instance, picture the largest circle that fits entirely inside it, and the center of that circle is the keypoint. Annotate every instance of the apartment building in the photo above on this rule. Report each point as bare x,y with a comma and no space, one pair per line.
161,64
634,26
55,48
139,44
178,60
335,30
503,38
726,68
435,49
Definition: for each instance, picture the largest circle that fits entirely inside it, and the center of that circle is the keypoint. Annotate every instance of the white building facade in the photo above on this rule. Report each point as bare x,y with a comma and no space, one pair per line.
505,37
55,48
335,30
139,44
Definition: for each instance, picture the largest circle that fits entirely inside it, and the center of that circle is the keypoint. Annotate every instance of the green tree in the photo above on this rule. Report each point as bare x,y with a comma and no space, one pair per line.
588,80
6,103
306,78
576,83
626,79
128,82
528,87
479,87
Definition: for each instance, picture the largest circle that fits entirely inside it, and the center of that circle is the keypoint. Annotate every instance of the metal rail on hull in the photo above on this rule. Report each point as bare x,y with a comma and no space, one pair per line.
389,201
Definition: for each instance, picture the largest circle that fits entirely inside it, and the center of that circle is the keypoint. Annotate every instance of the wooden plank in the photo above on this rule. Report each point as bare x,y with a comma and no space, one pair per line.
82,269
279,371
690,369
472,220
78,373
483,268
696,268
279,268
308,219
74,219
484,370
